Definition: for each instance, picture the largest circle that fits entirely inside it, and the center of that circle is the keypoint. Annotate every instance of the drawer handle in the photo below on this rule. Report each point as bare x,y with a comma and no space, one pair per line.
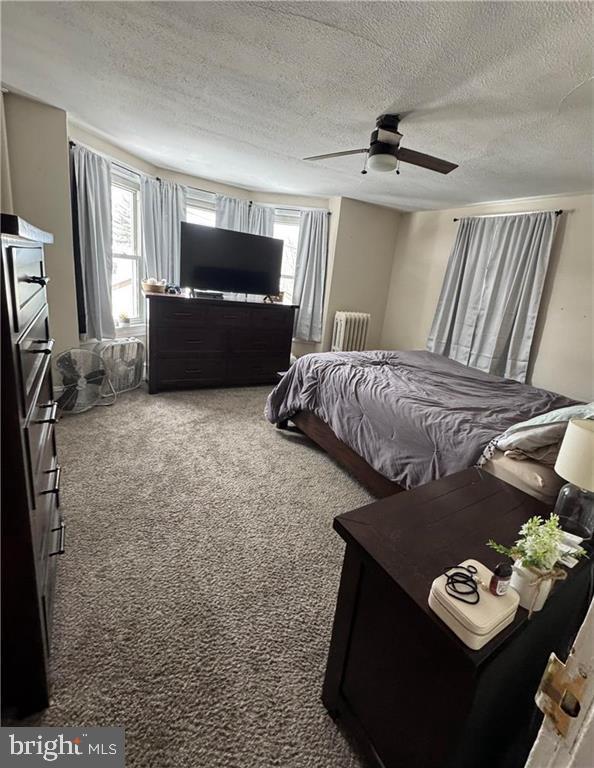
47,350
57,471
61,541
37,279
53,414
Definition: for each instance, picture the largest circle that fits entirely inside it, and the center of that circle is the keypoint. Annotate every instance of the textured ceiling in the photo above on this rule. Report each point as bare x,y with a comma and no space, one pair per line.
238,92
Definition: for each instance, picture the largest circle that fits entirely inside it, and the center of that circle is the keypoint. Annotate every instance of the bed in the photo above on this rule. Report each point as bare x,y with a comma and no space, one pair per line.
397,420
532,477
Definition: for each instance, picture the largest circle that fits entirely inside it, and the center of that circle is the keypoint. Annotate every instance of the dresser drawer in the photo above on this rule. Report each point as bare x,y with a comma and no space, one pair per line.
29,281
277,318
48,560
189,338
180,312
271,342
190,371
46,487
34,348
40,422
255,369
232,317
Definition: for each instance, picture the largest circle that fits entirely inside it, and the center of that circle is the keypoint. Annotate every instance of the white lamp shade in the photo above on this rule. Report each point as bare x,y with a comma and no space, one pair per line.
575,462
381,162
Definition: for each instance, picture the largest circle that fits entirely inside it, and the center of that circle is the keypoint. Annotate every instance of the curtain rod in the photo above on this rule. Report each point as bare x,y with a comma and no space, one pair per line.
512,213
130,168
291,208
189,186
196,189
117,163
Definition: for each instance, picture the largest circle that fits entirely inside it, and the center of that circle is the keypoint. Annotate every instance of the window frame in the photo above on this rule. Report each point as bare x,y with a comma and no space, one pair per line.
131,182
288,216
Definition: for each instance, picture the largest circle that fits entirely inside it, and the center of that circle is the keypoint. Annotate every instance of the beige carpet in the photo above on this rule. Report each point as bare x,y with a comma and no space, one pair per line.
195,599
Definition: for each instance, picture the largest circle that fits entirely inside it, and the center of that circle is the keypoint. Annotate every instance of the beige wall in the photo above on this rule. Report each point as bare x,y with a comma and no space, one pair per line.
105,146
38,154
563,345
5,184
362,264
360,256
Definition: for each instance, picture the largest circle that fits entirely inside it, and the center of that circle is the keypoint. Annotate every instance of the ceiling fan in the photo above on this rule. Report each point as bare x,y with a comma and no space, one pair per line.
385,153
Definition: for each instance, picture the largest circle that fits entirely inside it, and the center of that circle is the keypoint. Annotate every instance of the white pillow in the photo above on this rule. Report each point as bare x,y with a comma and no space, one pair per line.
531,438
563,415
531,435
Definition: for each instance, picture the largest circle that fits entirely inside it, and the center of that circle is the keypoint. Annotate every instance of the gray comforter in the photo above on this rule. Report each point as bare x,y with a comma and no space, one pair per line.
414,416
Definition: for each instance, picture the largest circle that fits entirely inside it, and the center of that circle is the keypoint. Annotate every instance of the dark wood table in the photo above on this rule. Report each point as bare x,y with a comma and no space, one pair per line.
409,691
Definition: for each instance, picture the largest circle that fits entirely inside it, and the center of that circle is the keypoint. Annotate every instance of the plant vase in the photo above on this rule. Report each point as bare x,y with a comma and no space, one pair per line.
532,589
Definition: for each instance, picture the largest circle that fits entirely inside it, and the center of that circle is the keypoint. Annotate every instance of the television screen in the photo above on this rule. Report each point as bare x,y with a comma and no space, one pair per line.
216,259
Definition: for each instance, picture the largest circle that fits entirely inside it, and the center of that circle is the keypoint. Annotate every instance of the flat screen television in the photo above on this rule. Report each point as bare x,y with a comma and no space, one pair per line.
214,259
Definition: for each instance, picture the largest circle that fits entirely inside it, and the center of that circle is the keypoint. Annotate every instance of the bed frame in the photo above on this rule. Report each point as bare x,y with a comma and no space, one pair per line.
321,434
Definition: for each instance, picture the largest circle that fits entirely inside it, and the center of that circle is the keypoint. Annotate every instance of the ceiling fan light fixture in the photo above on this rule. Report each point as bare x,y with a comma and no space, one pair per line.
382,156
382,162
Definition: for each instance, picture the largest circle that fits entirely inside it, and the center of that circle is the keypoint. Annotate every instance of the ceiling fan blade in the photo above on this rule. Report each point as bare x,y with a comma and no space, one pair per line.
337,154
425,161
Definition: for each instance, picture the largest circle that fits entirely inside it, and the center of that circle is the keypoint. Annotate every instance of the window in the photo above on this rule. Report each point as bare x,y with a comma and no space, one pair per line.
200,208
126,297
196,215
286,228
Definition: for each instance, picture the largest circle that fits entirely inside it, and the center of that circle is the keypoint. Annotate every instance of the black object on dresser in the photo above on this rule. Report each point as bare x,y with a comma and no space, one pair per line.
215,342
32,530
397,677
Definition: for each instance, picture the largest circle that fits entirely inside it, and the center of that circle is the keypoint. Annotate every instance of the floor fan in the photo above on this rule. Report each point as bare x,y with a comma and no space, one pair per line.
83,380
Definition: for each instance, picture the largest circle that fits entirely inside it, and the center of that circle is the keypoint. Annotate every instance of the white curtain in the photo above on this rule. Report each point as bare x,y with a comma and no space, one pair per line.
310,274
232,213
93,201
163,210
261,220
487,310
244,216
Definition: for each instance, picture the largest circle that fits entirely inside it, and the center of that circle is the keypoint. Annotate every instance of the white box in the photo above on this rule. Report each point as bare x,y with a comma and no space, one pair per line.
474,624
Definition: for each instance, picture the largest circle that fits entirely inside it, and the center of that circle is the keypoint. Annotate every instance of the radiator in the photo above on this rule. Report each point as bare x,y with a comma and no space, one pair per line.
350,331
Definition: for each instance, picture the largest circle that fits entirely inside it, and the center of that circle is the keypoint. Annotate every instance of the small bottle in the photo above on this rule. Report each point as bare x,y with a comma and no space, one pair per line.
500,579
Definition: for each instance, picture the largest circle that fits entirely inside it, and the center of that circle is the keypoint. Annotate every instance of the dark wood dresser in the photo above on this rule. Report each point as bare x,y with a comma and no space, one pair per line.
212,342
32,530
398,678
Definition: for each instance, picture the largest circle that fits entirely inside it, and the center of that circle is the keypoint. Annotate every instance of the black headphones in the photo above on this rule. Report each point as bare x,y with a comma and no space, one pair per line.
461,583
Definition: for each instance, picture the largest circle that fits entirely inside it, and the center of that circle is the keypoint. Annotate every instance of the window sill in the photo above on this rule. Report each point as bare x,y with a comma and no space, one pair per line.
134,329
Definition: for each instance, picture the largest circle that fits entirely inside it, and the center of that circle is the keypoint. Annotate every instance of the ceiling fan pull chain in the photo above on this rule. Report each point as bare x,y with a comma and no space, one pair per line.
364,171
